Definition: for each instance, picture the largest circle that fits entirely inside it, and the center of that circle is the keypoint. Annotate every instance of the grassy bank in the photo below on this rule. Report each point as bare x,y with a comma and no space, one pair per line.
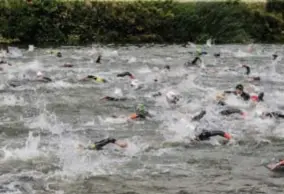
79,22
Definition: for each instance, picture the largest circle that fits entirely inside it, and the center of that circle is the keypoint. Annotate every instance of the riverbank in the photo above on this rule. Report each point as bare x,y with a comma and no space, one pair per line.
78,22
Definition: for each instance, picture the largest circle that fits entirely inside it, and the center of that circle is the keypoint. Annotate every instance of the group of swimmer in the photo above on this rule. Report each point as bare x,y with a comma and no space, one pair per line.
172,98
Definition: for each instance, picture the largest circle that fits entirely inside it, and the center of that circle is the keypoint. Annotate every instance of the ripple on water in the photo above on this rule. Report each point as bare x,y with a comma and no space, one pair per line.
42,124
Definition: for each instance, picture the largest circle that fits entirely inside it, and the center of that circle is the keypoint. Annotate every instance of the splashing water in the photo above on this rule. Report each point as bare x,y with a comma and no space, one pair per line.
29,151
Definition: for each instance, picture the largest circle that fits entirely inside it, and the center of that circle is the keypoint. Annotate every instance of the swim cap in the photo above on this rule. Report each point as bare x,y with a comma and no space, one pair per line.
98,79
254,98
167,67
227,136
172,97
140,109
240,87
258,113
134,83
39,74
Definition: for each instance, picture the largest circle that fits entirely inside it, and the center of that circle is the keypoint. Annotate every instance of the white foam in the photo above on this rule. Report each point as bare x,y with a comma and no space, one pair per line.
30,150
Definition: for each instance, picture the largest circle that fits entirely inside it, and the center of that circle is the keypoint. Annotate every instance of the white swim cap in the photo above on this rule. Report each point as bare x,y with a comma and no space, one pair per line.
171,97
39,74
258,113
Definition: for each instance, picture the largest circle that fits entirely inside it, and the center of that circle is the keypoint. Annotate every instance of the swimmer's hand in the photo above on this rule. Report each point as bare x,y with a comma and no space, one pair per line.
121,144
80,147
220,96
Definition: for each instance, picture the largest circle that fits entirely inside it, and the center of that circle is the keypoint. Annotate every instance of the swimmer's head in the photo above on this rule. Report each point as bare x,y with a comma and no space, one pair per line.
254,98
227,136
172,97
140,109
92,77
135,84
239,89
167,67
39,74
258,113
59,54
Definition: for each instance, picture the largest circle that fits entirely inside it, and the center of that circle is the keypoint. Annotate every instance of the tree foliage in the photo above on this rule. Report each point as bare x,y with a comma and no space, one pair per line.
77,22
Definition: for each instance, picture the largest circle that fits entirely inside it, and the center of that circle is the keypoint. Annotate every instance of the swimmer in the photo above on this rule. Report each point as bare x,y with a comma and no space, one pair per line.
92,77
113,99
200,53
263,115
199,116
141,112
98,59
278,166
100,144
239,91
205,135
5,62
274,56
67,65
196,61
59,54
126,74
157,94
254,78
230,111
42,78
167,67
134,82
217,55
172,97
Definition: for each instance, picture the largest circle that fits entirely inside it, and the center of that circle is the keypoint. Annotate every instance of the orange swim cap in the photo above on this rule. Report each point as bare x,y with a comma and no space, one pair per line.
133,116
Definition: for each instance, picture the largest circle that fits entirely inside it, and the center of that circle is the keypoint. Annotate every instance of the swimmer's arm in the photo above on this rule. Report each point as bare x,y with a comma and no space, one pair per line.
247,68
149,115
281,163
229,92
199,116
157,94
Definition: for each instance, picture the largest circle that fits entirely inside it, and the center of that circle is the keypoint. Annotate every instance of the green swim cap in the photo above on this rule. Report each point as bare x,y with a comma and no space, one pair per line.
140,109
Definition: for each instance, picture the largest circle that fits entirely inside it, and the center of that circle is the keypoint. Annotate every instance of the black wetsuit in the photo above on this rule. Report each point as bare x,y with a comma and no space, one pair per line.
95,78
99,145
244,96
199,116
274,114
256,78
217,55
98,59
124,74
157,94
194,62
2,62
45,79
231,111
114,99
205,135
274,56
222,103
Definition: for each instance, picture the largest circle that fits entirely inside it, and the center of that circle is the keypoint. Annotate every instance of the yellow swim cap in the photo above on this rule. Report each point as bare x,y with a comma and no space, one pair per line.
100,79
